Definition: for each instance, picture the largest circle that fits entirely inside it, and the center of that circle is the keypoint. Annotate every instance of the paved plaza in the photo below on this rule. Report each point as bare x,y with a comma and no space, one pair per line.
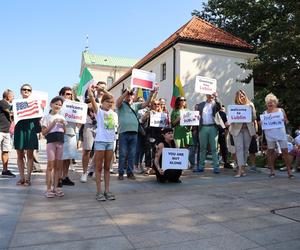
206,211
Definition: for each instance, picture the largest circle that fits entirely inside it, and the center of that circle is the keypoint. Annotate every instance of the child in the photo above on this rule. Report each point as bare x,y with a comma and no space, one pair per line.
104,142
53,128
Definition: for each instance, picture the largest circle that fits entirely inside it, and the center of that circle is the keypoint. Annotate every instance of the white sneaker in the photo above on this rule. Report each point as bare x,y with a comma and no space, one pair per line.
83,178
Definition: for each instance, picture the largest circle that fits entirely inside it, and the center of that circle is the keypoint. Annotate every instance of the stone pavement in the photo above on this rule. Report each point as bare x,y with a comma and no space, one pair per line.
205,211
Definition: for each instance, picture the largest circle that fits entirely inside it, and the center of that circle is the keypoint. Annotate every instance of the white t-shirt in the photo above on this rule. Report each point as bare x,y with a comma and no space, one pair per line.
107,121
48,119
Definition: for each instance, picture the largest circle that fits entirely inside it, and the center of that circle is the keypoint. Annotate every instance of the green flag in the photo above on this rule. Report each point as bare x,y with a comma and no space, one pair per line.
85,81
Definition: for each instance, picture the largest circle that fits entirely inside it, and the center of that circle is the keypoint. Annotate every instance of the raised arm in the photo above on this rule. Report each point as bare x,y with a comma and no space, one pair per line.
146,103
121,98
93,101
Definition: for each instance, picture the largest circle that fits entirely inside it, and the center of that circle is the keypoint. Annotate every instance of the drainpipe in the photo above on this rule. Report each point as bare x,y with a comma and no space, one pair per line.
174,64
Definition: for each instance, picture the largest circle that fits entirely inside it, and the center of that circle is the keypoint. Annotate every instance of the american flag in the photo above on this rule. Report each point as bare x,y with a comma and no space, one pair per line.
27,109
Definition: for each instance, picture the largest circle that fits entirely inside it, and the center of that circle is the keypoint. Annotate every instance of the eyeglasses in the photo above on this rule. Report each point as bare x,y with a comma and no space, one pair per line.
156,104
29,90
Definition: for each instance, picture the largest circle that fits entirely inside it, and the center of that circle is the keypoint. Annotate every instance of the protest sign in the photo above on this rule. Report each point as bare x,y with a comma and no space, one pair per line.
297,140
189,118
40,95
26,109
272,120
142,79
239,114
159,119
74,111
175,158
205,85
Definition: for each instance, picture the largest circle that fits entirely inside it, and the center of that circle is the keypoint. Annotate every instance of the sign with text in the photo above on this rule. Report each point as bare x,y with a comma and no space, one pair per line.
74,111
159,119
239,114
272,120
142,79
189,118
175,158
205,85
26,109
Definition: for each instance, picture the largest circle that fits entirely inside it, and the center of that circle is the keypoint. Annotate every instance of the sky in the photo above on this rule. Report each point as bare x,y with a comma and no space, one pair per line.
41,41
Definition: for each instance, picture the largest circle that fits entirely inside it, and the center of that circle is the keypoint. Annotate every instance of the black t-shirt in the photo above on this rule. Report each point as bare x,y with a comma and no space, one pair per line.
4,116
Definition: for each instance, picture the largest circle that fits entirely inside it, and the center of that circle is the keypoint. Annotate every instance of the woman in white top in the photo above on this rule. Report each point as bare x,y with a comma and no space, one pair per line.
276,135
104,142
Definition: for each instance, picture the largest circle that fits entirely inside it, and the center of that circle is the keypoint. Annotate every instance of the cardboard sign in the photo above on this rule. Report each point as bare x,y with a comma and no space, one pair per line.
26,109
142,79
272,120
159,120
175,158
40,95
189,118
74,111
205,85
239,114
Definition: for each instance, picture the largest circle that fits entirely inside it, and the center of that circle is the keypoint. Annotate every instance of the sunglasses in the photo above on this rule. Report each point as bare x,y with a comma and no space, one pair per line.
182,100
29,90
68,93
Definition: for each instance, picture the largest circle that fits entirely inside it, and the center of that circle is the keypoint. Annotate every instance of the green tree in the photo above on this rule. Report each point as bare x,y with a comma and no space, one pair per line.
273,28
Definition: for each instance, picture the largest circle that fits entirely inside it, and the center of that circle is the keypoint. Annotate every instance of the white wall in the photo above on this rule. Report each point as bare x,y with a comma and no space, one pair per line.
214,63
194,60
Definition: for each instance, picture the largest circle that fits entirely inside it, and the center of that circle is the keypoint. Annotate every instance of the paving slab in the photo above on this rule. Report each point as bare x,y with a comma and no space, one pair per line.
206,211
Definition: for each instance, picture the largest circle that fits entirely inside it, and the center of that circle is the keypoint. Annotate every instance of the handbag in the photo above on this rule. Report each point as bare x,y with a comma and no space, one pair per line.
141,130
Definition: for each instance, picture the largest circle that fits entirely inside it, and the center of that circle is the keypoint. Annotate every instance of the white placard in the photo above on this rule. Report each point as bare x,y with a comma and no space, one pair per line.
40,95
272,120
74,111
142,79
26,109
297,140
205,85
189,118
239,114
175,158
159,120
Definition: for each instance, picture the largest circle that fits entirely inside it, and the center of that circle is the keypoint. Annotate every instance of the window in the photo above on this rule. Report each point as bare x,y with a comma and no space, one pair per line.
163,71
110,80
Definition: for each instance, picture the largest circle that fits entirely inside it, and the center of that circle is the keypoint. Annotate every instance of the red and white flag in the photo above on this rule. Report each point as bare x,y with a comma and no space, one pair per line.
142,79
26,109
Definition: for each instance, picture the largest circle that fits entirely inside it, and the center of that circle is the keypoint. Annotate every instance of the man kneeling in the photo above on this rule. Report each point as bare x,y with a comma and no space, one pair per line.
169,175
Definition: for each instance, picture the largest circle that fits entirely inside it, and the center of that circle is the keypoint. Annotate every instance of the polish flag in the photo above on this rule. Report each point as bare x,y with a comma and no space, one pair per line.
142,79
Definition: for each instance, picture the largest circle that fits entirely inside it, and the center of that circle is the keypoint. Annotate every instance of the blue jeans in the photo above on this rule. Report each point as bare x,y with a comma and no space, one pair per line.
127,149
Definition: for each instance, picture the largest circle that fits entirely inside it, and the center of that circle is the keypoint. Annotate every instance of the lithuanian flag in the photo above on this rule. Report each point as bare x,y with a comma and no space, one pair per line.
177,91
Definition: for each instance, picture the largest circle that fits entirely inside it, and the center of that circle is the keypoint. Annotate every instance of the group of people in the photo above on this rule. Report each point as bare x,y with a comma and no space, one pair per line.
138,141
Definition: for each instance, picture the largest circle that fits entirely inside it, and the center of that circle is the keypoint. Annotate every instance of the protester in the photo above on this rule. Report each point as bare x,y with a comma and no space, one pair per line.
104,142
153,134
169,175
53,128
182,134
128,129
208,131
25,138
70,143
242,133
5,138
276,135
89,132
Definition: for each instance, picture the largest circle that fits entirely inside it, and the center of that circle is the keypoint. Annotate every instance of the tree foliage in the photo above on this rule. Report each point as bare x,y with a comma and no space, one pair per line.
273,28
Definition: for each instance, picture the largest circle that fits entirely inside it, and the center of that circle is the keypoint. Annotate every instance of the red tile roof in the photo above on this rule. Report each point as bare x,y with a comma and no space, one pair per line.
198,31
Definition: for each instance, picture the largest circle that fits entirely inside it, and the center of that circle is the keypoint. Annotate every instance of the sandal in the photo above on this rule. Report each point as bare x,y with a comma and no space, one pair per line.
20,182
49,194
58,192
109,196
271,175
27,183
291,176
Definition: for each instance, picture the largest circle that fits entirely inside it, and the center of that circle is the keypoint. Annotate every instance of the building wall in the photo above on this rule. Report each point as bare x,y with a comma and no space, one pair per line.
214,63
192,61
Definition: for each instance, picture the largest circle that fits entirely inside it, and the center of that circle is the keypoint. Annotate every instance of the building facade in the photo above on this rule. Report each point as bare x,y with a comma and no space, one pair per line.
197,49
